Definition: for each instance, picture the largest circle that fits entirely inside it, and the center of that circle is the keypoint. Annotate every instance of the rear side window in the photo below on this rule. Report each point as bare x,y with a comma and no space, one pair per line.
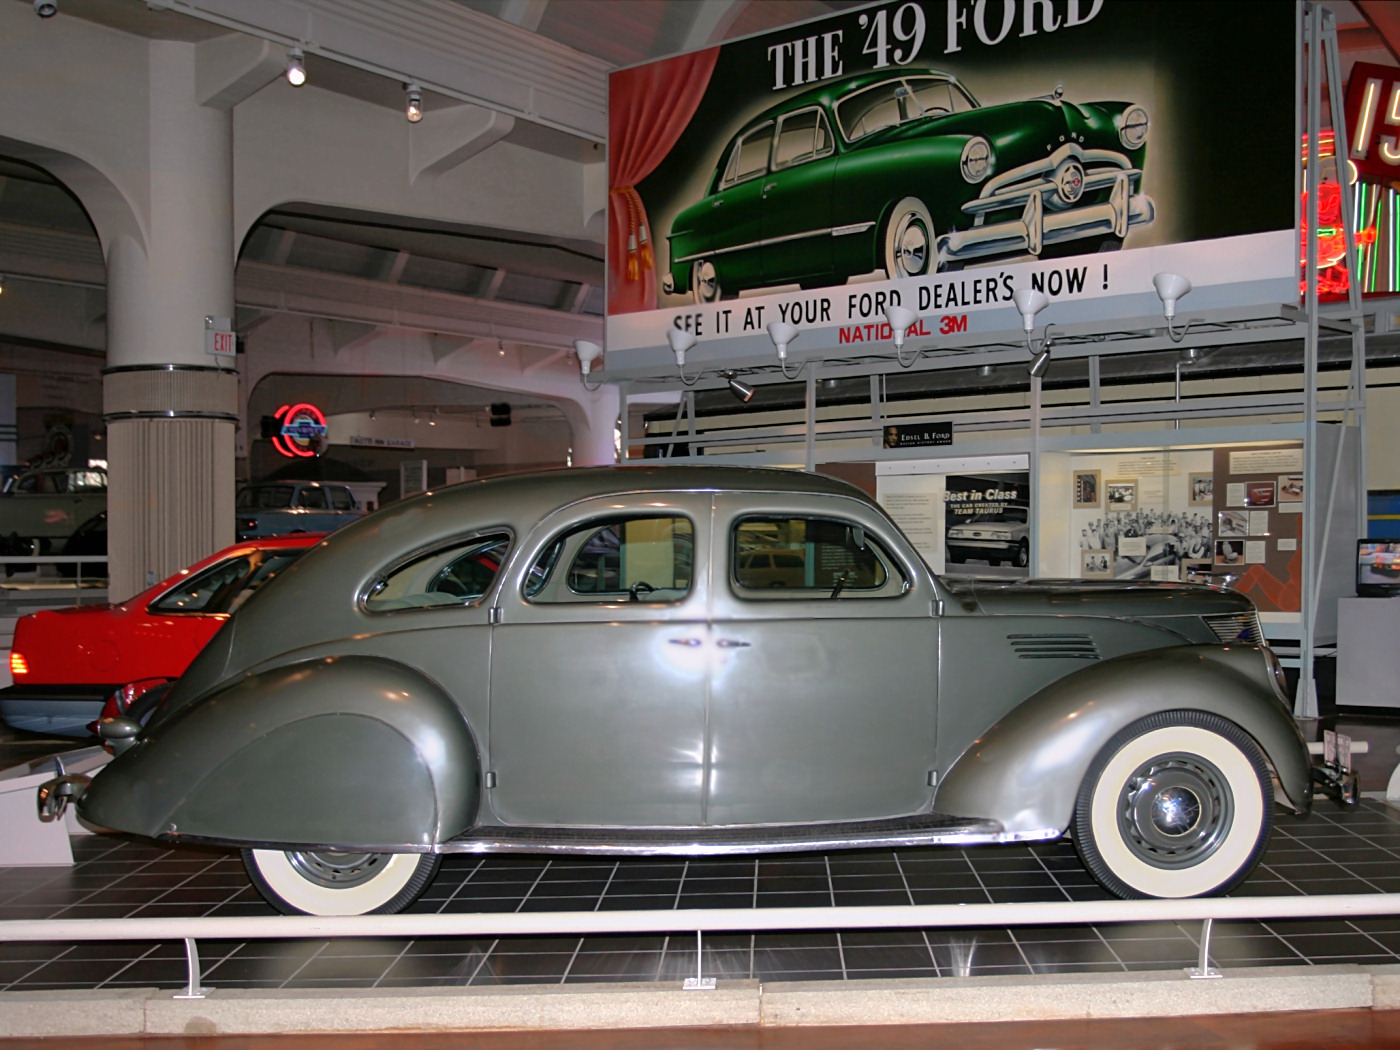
225,586
459,573
312,499
647,559
784,557
265,497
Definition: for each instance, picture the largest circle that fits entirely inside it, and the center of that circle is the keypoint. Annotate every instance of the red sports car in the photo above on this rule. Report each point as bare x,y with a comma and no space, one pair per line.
66,663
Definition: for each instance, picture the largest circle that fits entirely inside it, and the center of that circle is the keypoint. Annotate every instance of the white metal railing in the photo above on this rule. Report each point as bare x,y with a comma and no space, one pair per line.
702,921
76,581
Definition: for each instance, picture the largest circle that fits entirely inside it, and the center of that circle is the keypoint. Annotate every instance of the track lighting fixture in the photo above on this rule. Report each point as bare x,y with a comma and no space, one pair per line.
46,8
1171,287
2,284
681,341
742,391
587,352
414,107
1040,363
296,67
901,319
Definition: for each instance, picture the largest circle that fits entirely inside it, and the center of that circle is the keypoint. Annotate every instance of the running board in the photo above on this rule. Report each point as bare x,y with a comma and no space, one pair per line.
924,830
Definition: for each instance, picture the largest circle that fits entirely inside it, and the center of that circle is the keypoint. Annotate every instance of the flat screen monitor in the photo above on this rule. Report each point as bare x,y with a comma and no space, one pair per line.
1377,568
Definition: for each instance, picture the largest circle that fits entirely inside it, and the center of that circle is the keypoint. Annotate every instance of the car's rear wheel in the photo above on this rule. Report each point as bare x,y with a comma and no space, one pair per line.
329,882
1178,804
704,282
910,246
1023,554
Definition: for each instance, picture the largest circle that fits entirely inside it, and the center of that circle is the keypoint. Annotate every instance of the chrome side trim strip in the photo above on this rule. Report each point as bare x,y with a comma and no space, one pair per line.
839,231
855,227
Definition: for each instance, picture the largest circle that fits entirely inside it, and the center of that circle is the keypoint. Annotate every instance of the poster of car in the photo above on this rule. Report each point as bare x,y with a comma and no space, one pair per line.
941,154
988,524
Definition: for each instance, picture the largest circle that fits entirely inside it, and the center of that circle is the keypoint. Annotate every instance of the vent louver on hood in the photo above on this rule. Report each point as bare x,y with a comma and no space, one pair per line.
1053,646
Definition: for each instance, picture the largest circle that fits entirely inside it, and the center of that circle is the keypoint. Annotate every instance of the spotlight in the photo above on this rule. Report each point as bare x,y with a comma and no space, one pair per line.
414,109
588,352
985,371
680,341
742,391
1171,287
901,319
1040,363
296,67
1029,301
783,333
46,8
1190,355
2,284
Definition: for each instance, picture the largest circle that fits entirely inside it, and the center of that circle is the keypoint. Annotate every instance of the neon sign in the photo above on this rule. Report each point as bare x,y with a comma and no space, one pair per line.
1333,275
303,431
1373,113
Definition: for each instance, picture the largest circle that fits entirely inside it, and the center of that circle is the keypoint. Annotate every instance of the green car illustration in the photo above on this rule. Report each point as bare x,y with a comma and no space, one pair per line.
905,173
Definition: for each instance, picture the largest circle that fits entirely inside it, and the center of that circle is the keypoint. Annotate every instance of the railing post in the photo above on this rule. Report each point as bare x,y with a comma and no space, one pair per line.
699,983
193,989
1203,969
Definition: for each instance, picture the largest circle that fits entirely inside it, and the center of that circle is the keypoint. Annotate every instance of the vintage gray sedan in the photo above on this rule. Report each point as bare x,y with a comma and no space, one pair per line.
587,662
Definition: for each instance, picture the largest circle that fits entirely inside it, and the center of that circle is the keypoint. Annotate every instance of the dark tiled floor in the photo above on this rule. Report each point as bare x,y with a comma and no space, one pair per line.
1332,851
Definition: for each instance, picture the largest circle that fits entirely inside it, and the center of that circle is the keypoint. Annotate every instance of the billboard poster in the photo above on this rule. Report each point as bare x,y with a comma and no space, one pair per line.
942,154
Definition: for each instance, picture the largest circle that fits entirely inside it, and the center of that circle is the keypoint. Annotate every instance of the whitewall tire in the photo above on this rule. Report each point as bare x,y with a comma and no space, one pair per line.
325,882
1178,804
910,245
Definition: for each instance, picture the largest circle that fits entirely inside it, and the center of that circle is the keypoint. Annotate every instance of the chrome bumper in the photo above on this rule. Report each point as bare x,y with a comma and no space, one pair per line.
1036,227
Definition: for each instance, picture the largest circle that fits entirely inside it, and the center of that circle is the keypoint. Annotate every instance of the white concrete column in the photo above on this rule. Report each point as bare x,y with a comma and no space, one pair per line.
170,408
593,417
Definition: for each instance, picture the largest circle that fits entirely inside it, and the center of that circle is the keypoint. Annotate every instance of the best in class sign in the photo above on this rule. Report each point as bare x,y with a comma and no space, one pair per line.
943,154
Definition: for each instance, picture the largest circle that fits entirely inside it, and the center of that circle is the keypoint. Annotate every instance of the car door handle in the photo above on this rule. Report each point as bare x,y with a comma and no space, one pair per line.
769,186
717,203
732,643
689,643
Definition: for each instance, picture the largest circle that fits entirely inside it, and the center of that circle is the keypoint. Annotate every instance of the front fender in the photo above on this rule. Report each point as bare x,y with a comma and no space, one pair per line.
347,751
1025,771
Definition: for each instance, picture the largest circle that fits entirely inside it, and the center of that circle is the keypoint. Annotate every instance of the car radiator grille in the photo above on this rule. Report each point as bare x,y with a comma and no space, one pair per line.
1237,627
1053,646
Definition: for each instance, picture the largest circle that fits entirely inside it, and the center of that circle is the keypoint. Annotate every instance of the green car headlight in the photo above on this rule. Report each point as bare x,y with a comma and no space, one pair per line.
977,161
1132,127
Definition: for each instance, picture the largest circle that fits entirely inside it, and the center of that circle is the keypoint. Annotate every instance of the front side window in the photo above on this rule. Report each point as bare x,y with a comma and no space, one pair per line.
801,137
750,156
647,559
458,573
341,499
785,557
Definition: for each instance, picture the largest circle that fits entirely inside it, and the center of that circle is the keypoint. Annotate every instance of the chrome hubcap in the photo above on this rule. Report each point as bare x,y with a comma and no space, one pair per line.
911,247
706,282
1175,810
335,869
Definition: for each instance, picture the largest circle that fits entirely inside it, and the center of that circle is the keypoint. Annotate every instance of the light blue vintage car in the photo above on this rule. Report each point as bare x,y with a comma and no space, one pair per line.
593,661
276,508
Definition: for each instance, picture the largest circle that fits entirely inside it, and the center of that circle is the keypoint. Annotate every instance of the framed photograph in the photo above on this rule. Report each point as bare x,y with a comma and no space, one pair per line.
1229,552
1232,523
1290,488
1096,565
1197,570
1122,494
1086,490
1259,493
1202,488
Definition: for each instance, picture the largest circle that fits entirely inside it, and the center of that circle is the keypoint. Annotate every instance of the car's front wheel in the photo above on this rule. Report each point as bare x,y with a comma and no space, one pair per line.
704,282
1178,804
329,882
1023,554
909,241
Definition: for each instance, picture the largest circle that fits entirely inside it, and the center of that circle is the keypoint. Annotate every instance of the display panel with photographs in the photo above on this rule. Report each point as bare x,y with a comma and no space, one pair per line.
1086,490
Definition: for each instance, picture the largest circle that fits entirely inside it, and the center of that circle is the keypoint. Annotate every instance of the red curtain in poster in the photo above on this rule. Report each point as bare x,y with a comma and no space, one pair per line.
648,108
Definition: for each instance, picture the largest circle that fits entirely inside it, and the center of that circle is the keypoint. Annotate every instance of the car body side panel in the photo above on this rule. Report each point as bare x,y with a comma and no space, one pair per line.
992,664
347,751
1025,771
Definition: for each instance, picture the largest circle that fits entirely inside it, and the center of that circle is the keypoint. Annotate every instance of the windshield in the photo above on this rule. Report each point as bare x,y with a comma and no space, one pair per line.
897,101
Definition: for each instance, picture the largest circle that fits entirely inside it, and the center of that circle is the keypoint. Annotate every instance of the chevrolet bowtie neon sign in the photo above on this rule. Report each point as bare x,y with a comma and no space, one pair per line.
303,430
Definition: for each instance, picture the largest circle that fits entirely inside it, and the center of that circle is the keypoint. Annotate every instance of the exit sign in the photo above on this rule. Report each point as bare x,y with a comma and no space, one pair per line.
219,339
